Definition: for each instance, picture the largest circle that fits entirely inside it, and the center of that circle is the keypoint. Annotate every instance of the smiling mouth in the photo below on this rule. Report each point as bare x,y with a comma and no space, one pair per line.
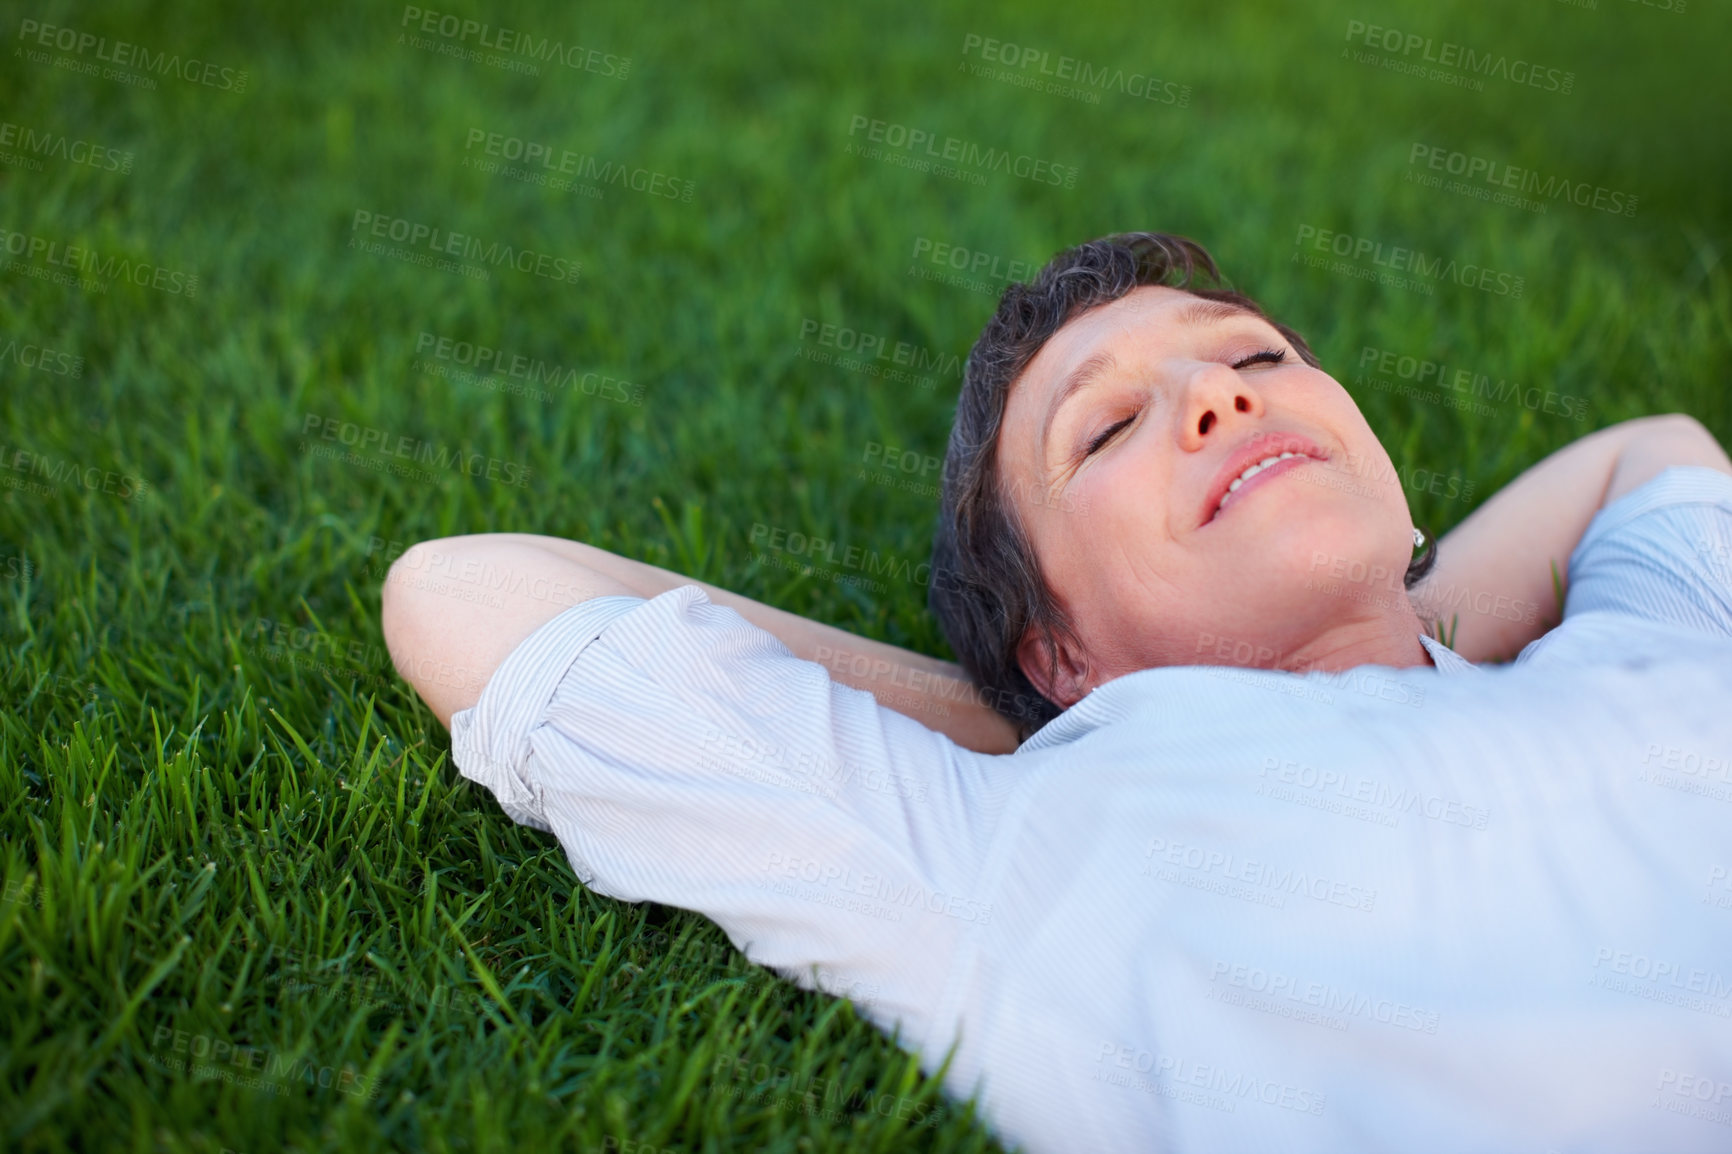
1259,471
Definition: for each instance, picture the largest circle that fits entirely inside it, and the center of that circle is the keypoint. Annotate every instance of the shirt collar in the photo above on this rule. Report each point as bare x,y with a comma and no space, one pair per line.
1448,661
1110,704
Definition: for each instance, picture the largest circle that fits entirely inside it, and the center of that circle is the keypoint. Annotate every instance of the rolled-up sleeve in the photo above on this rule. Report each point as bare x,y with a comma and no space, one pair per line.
683,755
490,743
1662,552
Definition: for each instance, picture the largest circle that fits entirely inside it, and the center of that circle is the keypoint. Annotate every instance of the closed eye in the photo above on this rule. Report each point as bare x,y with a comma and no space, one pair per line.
1261,356
1107,435
1269,356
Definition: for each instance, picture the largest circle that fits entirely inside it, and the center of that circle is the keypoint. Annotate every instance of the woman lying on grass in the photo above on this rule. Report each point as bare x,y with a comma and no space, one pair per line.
1363,893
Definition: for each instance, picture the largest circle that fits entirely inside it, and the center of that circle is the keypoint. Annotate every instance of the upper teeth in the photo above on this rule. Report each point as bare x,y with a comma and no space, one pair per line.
1252,471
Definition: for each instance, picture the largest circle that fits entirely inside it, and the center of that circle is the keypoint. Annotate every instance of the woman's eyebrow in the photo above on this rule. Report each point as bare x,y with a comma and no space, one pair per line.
1205,312
1078,378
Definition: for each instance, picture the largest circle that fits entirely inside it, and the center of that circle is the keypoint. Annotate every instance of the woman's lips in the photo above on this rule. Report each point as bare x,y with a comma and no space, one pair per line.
1249,453
1279,468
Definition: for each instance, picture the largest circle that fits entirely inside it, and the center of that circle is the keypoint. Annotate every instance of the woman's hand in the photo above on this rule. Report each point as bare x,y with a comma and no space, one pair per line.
1493,580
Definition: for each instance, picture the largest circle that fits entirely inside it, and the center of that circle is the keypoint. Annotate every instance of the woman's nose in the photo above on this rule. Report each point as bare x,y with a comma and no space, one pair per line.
1215,397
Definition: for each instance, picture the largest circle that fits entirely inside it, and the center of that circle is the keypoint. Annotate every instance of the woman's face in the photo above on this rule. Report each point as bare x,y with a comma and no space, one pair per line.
1119,442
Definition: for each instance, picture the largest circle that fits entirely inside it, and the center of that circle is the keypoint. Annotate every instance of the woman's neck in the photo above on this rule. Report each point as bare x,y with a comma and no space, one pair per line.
1390,639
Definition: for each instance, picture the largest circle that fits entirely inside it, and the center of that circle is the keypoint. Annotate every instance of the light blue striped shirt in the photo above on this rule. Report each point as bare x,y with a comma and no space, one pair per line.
1423,909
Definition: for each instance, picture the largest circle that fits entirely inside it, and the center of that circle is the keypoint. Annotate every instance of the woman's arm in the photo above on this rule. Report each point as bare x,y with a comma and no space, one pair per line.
1493,577
539,577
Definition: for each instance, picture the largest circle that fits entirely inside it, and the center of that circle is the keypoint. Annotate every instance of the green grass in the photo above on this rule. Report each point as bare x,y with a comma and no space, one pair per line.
199,834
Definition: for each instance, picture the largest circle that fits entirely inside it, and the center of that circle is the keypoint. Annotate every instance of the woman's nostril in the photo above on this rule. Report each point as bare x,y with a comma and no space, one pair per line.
1242,404
1204,425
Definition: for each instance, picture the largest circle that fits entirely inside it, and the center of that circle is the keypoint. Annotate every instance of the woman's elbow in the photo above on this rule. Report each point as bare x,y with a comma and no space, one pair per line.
453,608
429,624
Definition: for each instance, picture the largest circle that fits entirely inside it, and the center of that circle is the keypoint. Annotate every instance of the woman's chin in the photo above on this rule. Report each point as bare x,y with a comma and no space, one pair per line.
1288,528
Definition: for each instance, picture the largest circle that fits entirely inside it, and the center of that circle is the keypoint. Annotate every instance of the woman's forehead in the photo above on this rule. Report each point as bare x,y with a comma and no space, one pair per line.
1145,317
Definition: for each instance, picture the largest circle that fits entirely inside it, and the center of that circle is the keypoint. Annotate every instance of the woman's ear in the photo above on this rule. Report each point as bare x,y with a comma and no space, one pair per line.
1060,682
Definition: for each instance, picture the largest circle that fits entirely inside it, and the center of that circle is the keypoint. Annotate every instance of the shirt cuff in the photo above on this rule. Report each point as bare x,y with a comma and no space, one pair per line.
490,740
1677,485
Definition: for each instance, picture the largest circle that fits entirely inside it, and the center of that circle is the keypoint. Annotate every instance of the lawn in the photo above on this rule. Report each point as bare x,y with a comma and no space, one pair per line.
724,270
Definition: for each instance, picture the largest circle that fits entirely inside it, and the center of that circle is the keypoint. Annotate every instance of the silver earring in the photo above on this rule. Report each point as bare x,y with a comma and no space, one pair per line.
1418,539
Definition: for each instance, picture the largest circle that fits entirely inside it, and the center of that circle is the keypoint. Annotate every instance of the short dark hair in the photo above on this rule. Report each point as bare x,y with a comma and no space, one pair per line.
987,590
